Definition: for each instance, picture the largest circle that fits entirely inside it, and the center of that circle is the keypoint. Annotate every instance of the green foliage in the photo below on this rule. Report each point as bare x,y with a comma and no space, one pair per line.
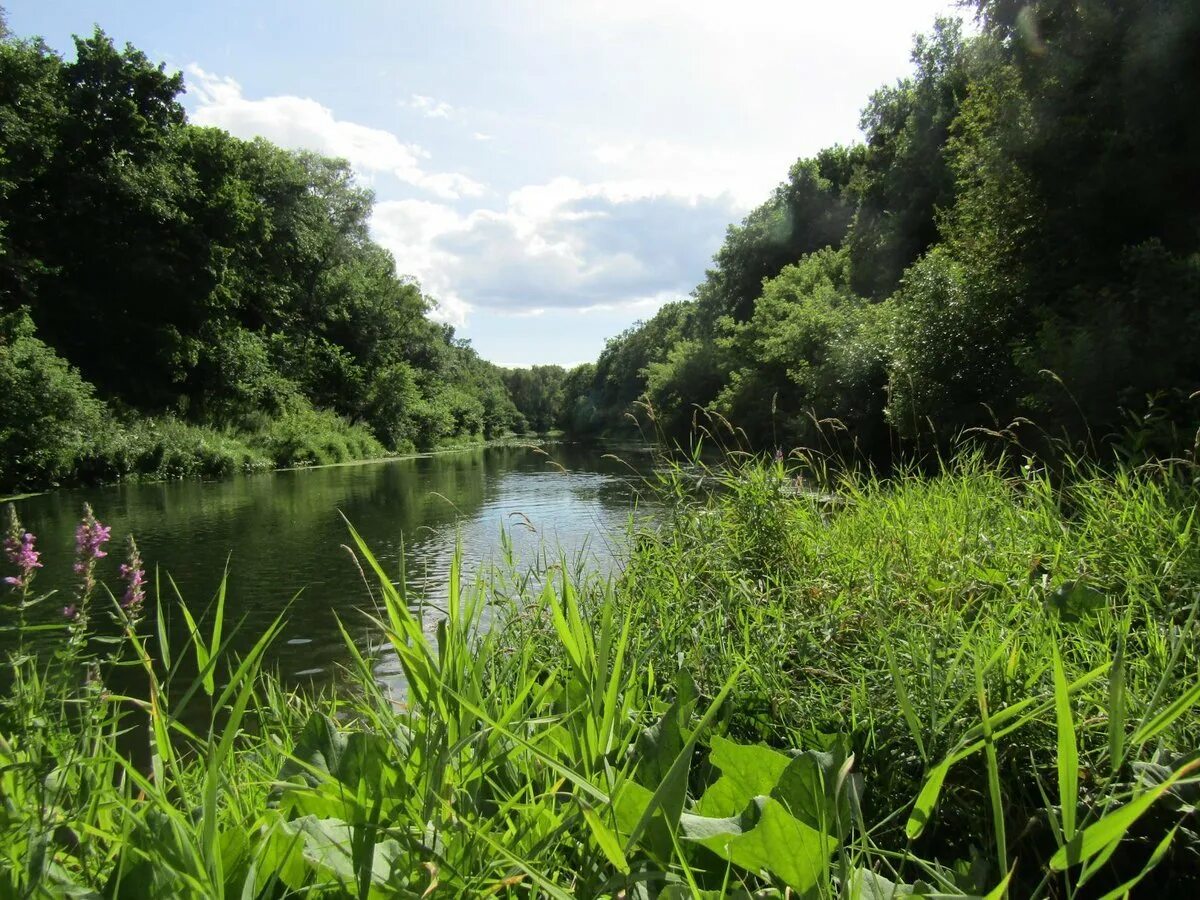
307,437
905,176
812,350
539,395
1015,241
49,416
190,274
805,213
716,721
165,447
950,349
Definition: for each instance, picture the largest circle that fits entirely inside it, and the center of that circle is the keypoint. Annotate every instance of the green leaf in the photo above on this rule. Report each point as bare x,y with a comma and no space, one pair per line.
766,837
1117,710
607,840
1165,717
1068,752
326,847
927,799
906,707
672,790
747,771
1074,600
1112,827
1155,858
809,789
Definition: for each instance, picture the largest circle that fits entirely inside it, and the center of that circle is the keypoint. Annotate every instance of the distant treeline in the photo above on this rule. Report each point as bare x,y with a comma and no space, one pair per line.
1027,202
174,300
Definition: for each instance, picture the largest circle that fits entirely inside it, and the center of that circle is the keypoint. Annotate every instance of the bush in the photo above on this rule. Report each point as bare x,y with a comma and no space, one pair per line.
165,448
812,348
311,437
951,350
49,416
1111,350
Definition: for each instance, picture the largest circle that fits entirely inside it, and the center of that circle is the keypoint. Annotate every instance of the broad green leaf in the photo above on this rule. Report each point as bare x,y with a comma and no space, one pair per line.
747,771
672,790
809,789
1073,600
766,837
327,847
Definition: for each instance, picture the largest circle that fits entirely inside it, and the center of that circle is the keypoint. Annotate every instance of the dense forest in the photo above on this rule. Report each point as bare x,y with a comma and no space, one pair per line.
174,300
1017,239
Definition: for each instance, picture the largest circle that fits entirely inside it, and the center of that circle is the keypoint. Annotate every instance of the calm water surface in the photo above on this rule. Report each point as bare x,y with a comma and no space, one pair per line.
282,534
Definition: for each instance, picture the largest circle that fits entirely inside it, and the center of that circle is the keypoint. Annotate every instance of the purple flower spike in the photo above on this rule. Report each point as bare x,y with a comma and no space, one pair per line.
90,538
18,547
134,576
71,613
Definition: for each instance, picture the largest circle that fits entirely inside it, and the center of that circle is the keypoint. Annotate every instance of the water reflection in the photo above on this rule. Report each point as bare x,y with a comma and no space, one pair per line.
283,537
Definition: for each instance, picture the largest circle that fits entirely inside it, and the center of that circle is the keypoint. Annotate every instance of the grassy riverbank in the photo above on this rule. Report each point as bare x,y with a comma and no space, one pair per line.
167,449
970,681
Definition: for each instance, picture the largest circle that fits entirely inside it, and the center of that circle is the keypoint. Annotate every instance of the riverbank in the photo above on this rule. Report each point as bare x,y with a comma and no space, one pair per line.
982,682
155,450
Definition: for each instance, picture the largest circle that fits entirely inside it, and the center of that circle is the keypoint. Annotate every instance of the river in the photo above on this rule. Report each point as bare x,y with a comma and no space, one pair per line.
282,534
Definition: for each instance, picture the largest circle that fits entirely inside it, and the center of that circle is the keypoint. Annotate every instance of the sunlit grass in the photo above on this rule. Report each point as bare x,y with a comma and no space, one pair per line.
979,681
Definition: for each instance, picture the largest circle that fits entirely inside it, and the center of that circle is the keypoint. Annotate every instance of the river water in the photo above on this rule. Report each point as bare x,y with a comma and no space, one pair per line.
281,535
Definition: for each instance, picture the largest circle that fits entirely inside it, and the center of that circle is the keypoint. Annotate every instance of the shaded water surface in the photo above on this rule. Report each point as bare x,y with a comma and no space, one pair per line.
282,534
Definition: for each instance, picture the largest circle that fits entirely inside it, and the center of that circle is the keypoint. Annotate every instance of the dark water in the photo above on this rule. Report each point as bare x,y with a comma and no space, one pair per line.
282,535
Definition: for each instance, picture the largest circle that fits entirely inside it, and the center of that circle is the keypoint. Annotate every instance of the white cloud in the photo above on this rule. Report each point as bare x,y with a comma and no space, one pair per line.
481,136
561,245
670,167
707,95
428,107
303,123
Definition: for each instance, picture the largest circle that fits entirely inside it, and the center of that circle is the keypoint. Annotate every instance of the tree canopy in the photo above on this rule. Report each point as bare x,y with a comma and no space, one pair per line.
1017,236
179,271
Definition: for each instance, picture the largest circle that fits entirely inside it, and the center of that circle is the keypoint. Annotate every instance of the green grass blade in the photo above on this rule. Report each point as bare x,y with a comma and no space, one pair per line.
1165,717
1068,752
1113,826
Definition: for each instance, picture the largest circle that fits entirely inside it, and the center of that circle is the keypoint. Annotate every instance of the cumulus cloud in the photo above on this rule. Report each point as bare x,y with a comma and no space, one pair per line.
559,245
303,123
630,242
428,107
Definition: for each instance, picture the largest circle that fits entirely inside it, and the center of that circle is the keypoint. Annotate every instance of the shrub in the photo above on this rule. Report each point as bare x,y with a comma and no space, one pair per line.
164,448
310,437
49,416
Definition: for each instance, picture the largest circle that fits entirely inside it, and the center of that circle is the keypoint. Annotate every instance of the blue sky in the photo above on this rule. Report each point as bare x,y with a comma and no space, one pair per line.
550,171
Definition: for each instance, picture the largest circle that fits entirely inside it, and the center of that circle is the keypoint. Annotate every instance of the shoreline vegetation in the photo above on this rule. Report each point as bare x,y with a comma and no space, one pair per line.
976,674
527,439
981,682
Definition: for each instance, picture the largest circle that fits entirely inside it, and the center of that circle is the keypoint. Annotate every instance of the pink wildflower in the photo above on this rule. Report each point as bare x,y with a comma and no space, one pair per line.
134,576
18,547
90,538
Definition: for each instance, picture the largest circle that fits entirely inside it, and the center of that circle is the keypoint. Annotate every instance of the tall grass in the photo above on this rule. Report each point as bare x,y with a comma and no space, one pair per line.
976,684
